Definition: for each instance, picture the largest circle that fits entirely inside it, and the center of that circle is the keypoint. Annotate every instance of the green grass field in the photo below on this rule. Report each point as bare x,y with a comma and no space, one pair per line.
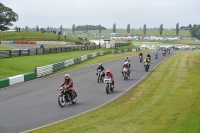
33,36
183,33
166,102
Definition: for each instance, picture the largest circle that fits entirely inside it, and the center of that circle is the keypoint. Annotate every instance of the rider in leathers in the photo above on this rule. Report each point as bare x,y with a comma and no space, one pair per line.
68,84
110,74
125,66
149,56
101,68
128,60
146,60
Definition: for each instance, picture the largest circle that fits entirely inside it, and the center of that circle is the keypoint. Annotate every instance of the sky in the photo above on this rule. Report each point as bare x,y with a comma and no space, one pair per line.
54,13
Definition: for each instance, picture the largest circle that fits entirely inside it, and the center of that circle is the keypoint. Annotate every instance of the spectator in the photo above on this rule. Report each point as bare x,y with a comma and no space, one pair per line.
19,29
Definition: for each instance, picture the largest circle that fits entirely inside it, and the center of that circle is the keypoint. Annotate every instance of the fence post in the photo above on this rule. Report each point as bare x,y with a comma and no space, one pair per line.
28,51
10,53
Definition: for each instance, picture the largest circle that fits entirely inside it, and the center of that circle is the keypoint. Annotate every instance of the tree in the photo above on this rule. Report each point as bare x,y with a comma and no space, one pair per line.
144,29
61,29
100,29
177,29
90,27
195,31
114,28
26,28
86,29
128,28
7,16
73,28
48,29
190,26
37,28
161,29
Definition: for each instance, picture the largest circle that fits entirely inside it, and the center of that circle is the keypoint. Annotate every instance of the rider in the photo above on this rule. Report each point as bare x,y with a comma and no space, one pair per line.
156,52
146,60
149,56
110,74
141,54
68,84
125,66
129,61
101,68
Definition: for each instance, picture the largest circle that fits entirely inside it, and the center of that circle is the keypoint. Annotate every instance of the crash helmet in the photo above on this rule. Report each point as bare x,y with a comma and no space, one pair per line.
108,71
67,76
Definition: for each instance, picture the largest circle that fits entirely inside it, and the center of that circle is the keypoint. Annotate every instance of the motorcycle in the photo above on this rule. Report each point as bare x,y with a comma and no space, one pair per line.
66,96
140,58
146,66
125,73
109,85
164,53
156,55
100,75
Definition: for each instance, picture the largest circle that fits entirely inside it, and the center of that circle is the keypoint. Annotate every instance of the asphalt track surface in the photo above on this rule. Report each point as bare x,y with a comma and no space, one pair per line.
34,104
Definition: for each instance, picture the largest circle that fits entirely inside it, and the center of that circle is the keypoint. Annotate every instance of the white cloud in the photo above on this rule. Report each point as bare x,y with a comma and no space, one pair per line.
80,12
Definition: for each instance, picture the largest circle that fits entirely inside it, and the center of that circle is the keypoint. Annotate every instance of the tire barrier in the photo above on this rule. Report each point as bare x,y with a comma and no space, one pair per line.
17,79
48,69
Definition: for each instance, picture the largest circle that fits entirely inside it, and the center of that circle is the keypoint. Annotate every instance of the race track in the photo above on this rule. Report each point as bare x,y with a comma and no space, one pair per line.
33,104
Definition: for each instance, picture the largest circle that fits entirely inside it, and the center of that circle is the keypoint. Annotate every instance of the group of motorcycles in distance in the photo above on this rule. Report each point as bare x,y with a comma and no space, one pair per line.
101,77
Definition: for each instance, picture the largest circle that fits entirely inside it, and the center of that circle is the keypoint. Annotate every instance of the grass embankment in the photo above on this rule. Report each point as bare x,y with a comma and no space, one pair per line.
168,101
19,65
33,36
2,47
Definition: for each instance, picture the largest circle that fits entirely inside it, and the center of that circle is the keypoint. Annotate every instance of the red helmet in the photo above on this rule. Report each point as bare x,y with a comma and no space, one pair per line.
108,71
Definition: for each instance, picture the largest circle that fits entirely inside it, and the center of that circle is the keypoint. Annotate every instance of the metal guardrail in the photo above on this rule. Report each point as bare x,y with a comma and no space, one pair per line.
38,51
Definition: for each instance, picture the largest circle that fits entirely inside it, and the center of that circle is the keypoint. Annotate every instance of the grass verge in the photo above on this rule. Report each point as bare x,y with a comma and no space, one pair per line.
2,47
166,102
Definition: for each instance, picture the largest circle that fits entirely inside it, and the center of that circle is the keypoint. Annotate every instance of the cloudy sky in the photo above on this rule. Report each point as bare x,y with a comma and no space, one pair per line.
54,13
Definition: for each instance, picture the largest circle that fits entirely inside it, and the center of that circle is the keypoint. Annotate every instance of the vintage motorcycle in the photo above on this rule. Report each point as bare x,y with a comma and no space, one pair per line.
66,96
140,58
125,73
109,85
146,66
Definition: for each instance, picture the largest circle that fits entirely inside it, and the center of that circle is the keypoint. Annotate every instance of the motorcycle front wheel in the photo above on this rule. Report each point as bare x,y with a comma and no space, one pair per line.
107,89
61,101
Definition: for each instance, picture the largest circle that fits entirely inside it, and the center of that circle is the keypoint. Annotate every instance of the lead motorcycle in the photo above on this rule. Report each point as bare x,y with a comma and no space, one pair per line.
100,75
109,85
66,96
